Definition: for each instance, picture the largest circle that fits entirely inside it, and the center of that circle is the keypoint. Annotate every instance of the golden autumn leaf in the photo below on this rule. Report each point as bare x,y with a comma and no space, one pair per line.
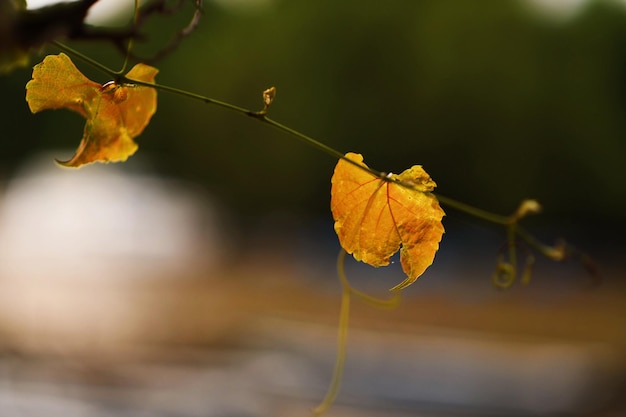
114,113
375,217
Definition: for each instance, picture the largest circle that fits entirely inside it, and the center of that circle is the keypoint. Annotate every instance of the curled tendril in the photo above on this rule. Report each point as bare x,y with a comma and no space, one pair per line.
504,275
506,271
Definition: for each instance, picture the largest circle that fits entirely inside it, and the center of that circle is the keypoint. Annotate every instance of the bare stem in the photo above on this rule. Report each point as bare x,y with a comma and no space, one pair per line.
513,229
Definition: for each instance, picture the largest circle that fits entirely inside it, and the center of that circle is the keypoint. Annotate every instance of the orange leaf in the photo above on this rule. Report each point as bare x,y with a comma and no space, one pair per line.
114,113
374,216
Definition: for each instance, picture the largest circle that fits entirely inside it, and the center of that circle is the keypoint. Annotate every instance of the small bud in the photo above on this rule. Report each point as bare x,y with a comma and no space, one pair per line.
525,208
268,97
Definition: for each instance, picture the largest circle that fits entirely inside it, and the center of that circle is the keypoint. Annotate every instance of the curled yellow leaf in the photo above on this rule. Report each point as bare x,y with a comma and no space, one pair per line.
115,113
375,217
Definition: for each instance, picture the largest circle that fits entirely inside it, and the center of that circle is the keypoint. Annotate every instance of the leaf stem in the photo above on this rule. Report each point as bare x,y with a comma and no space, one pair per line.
188,94
304,138
473,211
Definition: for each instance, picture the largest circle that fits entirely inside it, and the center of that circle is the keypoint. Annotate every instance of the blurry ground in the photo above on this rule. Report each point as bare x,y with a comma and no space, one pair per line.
259,341
122,325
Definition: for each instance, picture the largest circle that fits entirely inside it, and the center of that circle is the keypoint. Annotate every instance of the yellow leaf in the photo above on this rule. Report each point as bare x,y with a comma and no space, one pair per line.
374,216
115,113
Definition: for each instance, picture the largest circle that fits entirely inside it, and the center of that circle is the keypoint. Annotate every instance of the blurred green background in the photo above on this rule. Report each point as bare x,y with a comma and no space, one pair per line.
498,101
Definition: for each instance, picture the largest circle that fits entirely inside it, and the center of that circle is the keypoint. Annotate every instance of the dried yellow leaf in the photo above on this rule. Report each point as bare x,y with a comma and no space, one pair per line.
115,113
375,217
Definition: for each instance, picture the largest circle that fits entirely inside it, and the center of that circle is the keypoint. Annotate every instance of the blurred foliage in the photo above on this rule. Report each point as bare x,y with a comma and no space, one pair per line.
498,103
